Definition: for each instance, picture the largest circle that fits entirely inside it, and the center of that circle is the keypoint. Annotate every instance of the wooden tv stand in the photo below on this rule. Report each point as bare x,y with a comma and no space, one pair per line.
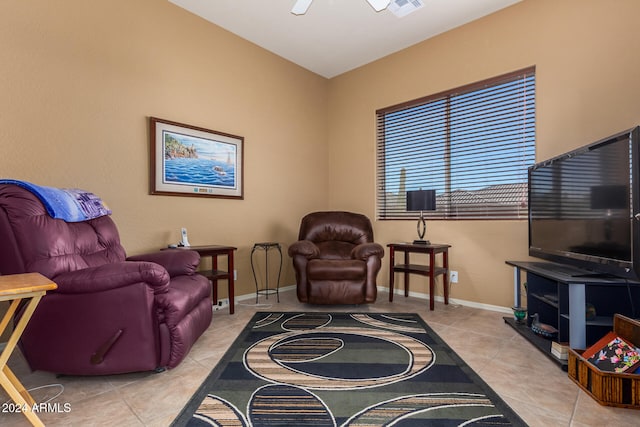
559,294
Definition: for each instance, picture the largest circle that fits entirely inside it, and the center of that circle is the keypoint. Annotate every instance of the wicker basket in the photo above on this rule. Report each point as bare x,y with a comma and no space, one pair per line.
609,388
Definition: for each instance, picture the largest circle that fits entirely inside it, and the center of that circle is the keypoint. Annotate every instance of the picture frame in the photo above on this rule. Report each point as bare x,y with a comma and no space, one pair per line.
195,162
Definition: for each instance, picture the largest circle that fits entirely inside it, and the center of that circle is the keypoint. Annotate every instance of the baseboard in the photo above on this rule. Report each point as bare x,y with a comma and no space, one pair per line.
253,294
418,295
455,301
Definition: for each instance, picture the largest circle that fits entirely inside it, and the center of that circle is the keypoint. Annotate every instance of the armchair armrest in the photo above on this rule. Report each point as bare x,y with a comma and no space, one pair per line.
113,276
306,248
176,262
366,250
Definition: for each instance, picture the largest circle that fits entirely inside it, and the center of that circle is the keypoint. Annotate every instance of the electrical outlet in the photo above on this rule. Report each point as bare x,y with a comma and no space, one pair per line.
453,276
222,303
235,274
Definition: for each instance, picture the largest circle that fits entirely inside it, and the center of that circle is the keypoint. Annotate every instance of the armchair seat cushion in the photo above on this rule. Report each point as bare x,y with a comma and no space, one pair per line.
183,296
336,269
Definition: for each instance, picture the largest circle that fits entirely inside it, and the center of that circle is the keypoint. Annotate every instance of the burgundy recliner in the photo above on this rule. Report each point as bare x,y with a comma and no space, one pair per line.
110,314
335,259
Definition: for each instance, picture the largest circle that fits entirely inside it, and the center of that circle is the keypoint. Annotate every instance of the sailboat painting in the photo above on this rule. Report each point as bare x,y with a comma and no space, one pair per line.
192,161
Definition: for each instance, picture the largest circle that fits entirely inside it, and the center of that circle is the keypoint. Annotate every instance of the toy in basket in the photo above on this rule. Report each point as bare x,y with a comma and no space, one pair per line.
609,387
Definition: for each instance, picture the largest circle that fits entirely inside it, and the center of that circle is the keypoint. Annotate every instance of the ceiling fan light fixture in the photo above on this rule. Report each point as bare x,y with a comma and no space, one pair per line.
301,7
402,8
379,5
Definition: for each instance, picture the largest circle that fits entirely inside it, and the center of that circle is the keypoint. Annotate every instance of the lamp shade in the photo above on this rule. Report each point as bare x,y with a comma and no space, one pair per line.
421,200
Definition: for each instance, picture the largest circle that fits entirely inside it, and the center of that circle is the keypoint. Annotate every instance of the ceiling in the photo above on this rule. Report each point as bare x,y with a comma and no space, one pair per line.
336,36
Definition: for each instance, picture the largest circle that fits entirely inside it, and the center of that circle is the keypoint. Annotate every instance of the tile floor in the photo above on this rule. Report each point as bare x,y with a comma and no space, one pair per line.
529,382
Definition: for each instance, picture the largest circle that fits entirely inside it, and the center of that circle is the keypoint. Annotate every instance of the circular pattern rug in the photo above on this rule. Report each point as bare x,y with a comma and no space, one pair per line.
342,369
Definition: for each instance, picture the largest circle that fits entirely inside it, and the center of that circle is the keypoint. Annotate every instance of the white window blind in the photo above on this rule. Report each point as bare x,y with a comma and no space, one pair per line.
473,145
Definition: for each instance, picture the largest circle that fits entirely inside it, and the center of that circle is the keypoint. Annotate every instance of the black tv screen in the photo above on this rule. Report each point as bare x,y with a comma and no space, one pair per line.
582,206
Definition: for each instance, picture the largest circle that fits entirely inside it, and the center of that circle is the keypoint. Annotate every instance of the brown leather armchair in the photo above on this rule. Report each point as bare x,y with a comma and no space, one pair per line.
335,259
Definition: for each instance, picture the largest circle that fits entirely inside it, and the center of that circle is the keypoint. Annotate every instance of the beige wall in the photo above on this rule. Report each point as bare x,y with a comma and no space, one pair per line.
79,78
588,86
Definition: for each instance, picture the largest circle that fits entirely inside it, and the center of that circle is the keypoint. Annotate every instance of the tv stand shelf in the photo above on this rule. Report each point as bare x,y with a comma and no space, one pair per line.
559,294
596,321
542,344
545,298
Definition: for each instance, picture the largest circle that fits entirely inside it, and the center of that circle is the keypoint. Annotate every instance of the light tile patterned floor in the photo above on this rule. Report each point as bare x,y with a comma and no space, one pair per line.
528,381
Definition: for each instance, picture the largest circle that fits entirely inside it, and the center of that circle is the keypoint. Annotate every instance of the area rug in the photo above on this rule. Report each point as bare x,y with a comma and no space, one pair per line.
343,369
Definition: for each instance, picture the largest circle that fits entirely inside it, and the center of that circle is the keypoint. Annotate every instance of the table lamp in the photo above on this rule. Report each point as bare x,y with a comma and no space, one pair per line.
421,200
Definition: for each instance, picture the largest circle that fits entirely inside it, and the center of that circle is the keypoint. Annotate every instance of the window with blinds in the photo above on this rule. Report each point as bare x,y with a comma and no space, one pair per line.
473,145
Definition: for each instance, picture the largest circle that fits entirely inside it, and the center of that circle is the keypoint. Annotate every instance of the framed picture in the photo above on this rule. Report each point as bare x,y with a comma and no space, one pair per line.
193,161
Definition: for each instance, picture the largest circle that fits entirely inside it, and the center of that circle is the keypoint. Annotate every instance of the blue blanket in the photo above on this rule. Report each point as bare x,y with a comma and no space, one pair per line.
68,204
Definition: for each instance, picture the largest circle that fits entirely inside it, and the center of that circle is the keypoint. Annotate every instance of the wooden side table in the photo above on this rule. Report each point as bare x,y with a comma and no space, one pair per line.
214,274
431,270
15,288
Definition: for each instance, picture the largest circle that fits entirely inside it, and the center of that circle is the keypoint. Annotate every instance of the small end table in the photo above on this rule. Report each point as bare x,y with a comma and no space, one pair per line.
431,270
15,288
266,246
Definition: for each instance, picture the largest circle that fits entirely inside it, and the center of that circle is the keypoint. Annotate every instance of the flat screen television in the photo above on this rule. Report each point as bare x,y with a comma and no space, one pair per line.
584,207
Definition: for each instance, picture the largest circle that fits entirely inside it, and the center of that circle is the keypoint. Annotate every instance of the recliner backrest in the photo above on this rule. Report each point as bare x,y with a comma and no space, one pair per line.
336,232
35,242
